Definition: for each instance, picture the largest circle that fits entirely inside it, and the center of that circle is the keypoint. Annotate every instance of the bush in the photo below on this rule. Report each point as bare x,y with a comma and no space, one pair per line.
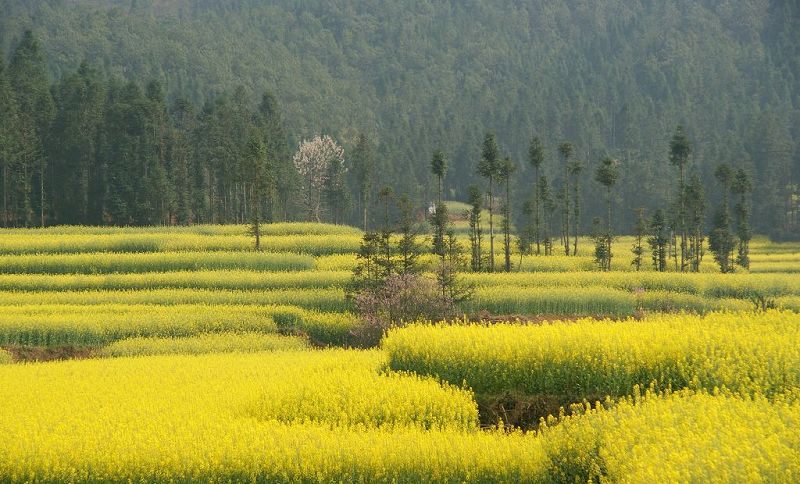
399,300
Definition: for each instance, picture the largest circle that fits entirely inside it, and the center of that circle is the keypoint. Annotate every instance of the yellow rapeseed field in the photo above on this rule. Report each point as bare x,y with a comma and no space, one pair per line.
744,352
204,343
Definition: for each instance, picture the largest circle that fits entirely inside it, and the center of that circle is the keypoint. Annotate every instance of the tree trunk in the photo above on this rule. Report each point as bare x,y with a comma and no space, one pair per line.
491,227
507,226
536,218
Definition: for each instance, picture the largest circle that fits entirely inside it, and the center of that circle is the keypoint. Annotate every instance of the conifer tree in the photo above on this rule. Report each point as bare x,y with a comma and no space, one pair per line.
721,241
575,167
658,240
489,168
439,218
408,249
607,175
475,199
10,169
548,209
695,214
536,158
742,187
640,231
35,111
680,150
363,170
565,149
507,167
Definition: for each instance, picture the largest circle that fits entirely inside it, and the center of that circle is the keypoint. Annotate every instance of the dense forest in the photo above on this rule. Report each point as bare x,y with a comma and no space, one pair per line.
146,111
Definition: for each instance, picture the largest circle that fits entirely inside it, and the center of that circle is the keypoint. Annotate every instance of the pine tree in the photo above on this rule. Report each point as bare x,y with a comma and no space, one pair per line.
475,197
9,148
439,218
536,158
386,259
680,150
181,158
489,168
363,171
721,241
742,187
640,231
408,249
260,179
695,214
658,240
574,168
607,175
35,110
507,167
548,209
565,149
73,137
286,196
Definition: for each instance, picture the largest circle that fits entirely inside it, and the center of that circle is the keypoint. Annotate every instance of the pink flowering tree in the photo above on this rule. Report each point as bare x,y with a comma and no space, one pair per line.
313,161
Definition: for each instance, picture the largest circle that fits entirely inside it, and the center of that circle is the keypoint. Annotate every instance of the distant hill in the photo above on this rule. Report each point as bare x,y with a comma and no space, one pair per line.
612,76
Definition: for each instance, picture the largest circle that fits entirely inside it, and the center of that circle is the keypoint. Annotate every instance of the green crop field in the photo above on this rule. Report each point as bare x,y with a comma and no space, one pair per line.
195,357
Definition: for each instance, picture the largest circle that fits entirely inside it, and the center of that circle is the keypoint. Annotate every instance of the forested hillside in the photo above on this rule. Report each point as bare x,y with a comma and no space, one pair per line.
613,77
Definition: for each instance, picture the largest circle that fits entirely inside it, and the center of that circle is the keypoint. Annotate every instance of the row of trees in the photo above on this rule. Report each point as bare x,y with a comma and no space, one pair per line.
612,80
676,232
100,151
89,150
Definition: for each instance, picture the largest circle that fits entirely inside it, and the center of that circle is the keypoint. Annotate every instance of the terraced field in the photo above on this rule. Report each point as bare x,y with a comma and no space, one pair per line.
205,360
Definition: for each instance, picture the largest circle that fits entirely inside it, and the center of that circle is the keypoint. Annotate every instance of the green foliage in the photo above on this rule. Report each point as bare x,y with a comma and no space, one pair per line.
658,240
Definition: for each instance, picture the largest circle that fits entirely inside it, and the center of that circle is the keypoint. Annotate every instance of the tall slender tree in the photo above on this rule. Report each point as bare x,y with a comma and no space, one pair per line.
565,150
182,160
364,171
658,240
439,217
536,158
640,231
742,187
574,168
695,217
721,241
507,167
439,170
548,209
9,148
270,121
261,182
680,150
475,197
607,175
489,168
35,111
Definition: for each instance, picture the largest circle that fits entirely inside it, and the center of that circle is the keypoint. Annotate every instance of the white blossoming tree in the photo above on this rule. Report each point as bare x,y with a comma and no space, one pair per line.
313,161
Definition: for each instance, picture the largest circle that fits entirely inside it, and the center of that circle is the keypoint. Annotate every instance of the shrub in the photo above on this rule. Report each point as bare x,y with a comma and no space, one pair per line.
400,299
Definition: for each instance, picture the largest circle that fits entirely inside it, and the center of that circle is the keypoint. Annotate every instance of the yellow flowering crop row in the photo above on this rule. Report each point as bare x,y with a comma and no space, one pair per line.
743,352
298,415
111,262
679,438
278,228
5,357
711,285
99,324
33,243
331,299
204,343
235,280
332,416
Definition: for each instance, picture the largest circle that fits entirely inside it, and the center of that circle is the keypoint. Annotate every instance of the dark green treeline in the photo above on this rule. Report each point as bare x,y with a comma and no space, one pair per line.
613,77
89,150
